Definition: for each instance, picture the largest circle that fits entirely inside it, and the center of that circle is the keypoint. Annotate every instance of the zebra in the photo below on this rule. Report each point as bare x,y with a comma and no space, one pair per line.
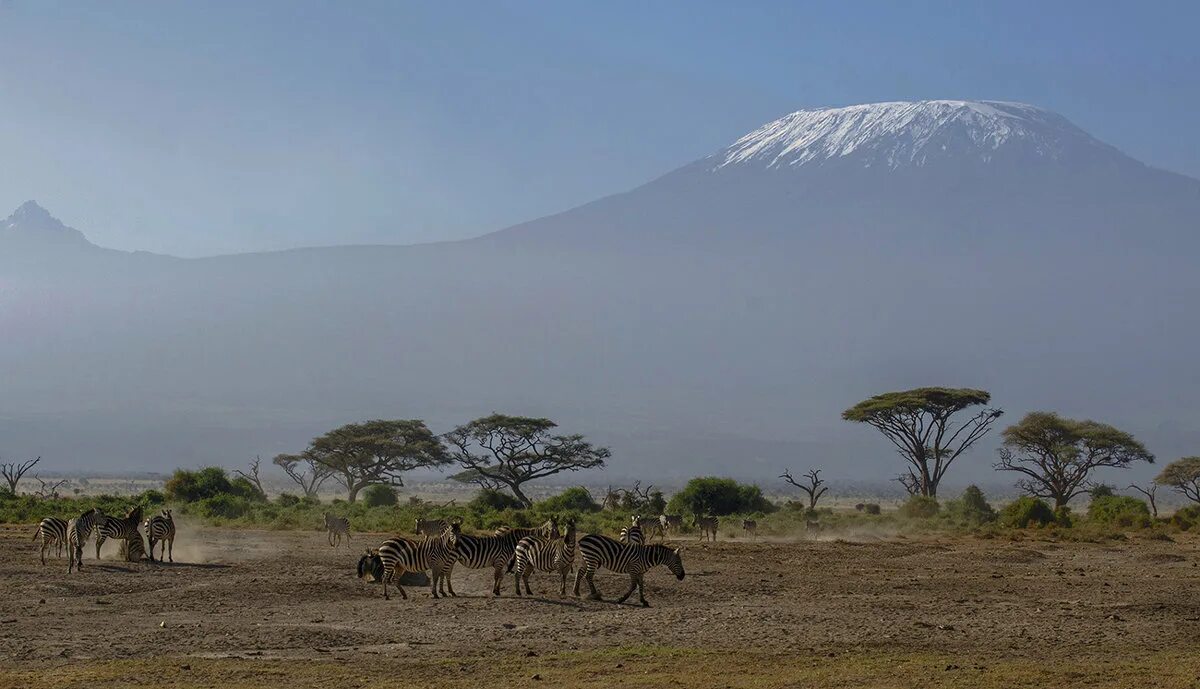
671,523
336,526
541,554
497,551
161,529
750,526
79,529
430,527
650,526
53,532
632,534
708,527
599,551
399,555
123,528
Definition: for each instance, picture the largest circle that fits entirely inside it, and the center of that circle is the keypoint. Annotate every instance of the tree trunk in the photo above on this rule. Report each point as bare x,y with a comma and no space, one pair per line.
352,493
516,489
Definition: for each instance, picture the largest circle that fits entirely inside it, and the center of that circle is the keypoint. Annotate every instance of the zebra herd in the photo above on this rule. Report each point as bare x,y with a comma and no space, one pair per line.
520,551
72,534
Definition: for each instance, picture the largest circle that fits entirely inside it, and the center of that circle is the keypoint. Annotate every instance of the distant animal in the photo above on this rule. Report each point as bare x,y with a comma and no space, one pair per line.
121,528
53,532
708,527
132,548
79,529
335,528
633,533
597,551
650,526
399,555
430,527
545,554
671,523
499,550
751,527
160,529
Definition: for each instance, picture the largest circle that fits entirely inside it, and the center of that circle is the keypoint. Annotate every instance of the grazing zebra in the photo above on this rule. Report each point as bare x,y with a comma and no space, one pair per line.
750,526
635,560
650,526
79,529
336,527
497,551
632,534
542,554
671,523
123,528
708,527
161,529
430,527
399,555
52,531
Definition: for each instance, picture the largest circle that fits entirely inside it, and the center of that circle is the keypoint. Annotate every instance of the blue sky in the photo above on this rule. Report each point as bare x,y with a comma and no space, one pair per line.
217,127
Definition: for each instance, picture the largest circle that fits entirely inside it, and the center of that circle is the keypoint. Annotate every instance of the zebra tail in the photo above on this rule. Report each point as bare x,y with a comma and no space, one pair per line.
512,562
36,532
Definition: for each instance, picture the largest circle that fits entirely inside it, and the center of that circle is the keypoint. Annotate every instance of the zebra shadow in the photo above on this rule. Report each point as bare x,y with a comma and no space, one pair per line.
190,565
572,603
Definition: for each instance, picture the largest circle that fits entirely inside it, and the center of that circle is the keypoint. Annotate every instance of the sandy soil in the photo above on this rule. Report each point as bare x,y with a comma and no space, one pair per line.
282,598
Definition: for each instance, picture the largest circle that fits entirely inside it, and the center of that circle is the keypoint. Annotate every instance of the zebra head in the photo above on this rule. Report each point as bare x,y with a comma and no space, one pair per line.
635,520
674,561
370,566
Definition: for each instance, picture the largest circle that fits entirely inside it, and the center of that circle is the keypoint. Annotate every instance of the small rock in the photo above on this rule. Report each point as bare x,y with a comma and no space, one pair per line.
530,654
509,625
162,624
951,667
41,601
185,667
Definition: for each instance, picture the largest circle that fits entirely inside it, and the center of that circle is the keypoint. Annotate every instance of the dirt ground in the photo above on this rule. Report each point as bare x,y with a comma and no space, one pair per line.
243,608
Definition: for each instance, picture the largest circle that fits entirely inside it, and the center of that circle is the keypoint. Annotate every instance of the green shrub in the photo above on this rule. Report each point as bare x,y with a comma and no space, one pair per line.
1119,510
243,488
577,500
1186,518
971,508
287,500
1063,516
191,486
226,506
1026,511
719,497
489,500
151,497
920,507
379,496
872,508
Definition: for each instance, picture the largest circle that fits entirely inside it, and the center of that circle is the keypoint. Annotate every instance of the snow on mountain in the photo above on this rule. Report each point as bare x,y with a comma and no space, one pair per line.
900,134
32,224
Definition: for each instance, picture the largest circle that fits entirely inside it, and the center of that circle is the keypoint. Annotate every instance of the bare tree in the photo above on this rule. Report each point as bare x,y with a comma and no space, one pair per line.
612,499
13,471
1150,495
910,481
815,487
48,491
253,476
304,470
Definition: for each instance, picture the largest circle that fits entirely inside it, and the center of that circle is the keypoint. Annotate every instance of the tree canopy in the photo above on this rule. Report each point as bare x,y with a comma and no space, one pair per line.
1057,455
1183,475
304,470
711,495
501,451
378,451
919,422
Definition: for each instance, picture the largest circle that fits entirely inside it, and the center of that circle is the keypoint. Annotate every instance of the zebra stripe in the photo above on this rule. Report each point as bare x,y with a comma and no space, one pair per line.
336,527
497,551
52,531
123,528
161,529
672,523
651,526
430,527
399,555
541,554
750,526
708,527
599,551
79,530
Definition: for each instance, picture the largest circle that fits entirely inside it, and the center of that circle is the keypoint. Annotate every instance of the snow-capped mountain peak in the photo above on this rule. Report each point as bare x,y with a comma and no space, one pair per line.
899,134
32,224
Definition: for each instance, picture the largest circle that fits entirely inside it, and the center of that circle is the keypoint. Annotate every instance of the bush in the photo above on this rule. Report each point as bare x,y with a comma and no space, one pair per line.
1026,511
225,505
1186,518
1119,510
576,499
872,508
379,496
243,488
192,486
287,500
920,507
151,497
489,500
971,507
719,497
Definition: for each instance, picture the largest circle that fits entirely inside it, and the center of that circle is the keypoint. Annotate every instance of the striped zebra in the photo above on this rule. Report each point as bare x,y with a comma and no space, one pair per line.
123,528
336,527
161,529
632,534
398,555
542,554
497,551
53,532
650,526
79,529
430,527
708,527
671,523
599,551
751,527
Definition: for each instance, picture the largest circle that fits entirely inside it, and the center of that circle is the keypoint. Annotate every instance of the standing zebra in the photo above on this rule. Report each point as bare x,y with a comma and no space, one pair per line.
336,527
399,555
599,551
632,534
53,532
161,529
671,523
708,527
123,528
79,530
650,526
541,554
430,527
751,527
497,551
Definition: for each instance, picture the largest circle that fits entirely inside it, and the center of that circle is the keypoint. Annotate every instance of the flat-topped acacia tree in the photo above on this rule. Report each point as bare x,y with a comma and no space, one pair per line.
921,424
501,451
379,451
1184,476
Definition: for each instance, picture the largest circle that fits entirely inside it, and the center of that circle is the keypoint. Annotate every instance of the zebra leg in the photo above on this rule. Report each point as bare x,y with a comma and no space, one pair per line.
497,576
591,582
641,584
43,551
528,573
99,542
562,592
517,576
171,551
151,551
633,582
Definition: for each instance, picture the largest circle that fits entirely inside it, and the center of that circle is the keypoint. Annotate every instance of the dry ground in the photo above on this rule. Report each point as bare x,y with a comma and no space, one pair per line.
243,608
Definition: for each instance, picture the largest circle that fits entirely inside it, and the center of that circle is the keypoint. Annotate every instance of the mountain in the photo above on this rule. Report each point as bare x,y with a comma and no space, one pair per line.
717,319
32,226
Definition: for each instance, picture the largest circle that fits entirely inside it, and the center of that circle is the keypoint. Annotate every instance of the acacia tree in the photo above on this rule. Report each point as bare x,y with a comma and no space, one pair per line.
501,451
1183,475
253,475
379,451
813,488
1151,495
13,471
1057,456
304,470
920,423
